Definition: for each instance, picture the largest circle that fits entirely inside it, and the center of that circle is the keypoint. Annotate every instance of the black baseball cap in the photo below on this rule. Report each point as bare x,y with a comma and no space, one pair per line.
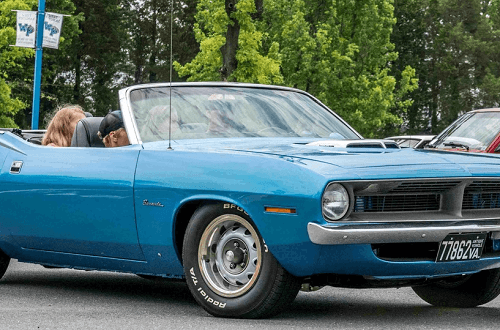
110,123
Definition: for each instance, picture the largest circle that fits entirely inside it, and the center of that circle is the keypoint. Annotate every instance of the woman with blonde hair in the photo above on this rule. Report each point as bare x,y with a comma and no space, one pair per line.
62,125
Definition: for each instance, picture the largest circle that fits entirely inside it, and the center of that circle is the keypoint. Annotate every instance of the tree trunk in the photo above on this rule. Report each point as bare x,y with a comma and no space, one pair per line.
228,50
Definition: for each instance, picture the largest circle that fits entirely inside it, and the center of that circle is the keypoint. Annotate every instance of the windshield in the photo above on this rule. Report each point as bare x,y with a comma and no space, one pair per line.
471,131
212,112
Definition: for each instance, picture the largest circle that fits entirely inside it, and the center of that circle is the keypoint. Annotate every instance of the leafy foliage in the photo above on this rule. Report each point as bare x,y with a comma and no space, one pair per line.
254,65
11,61
362,58
17,64
148,46
454,45
337,50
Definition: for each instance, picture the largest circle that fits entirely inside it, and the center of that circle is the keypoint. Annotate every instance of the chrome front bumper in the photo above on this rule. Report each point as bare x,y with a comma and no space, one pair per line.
397,232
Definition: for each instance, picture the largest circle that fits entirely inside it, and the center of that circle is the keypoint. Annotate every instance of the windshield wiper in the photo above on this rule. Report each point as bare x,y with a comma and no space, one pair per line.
450,130
456,145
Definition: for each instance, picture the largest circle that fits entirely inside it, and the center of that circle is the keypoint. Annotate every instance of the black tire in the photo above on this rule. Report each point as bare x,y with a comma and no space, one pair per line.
160,279
151,277
4,263
464,291
228,268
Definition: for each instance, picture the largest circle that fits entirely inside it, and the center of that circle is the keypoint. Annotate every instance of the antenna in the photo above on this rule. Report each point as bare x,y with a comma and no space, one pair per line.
170,84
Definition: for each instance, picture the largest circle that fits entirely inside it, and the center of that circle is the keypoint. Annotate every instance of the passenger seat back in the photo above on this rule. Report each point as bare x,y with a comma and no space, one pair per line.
85,134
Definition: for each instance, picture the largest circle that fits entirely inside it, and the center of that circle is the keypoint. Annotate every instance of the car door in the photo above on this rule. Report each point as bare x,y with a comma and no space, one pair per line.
71,200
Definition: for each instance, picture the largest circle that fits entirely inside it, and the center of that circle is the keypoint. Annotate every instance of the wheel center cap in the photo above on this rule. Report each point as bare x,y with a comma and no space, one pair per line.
235,256
230,256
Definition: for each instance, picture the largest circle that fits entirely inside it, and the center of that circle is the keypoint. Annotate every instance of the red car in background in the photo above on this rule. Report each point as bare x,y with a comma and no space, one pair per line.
475,131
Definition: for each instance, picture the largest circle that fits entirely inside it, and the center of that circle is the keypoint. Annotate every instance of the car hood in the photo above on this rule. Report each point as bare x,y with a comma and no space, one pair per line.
362,159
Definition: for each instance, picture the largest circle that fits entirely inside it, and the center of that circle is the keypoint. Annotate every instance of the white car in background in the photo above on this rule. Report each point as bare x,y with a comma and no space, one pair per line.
412,141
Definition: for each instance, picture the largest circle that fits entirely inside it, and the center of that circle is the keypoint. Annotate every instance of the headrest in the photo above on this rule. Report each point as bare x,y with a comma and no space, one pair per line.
85,134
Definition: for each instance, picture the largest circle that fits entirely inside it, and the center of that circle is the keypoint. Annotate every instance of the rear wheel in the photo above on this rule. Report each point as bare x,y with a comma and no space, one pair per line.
229,269
4,263
462,291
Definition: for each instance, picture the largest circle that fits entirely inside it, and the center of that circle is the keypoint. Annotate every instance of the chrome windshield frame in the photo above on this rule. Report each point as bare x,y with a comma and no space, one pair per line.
131,124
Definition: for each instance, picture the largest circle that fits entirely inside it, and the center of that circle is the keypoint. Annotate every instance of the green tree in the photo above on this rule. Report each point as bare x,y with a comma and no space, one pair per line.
340,51
95,58
454,46
17,64
11,61
337,50
409,37
490,85
148,45
231,45
57,77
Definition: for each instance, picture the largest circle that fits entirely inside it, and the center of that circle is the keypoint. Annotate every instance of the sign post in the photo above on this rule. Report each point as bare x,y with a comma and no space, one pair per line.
38,30
38,65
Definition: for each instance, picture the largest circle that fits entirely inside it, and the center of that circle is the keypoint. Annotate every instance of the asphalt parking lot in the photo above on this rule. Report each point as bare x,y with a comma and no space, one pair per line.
33,297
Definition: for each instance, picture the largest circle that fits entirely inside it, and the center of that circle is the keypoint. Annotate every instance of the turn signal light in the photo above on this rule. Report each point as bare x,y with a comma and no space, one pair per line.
280,210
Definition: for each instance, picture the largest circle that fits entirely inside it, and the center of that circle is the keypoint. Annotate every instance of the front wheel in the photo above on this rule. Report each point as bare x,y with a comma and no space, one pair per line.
4,263
228,268
462,291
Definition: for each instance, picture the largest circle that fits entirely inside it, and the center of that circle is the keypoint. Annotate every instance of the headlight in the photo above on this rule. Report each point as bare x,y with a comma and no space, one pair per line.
335,201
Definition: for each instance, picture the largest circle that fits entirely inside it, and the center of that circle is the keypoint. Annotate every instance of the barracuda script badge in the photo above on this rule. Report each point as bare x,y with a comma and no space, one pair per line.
148,203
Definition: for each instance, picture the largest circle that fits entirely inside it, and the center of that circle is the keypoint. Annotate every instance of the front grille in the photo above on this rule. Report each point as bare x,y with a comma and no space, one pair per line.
397,203
484,186
473,201
482,195
424,187
439,197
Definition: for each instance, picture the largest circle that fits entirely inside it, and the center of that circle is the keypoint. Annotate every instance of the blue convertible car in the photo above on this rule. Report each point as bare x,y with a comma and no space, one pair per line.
250,193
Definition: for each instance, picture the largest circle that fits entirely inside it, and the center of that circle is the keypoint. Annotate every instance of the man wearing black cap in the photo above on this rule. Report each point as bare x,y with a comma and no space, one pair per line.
112,130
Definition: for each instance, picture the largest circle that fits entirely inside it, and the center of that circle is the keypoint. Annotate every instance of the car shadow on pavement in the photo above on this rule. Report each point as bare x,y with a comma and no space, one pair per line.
356,308
101,284
376,306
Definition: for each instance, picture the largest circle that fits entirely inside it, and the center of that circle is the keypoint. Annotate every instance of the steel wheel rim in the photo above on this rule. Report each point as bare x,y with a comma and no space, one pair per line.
229,255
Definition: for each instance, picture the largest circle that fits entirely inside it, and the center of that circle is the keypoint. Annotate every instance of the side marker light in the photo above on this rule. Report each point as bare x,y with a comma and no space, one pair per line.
280,210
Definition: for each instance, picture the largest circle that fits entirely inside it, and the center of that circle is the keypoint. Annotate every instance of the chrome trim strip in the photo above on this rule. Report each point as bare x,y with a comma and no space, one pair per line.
374,233
128,118
424,179
11,147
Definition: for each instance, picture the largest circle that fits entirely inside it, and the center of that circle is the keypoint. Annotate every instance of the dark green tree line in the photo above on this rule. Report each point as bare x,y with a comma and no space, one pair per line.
360,57
454,46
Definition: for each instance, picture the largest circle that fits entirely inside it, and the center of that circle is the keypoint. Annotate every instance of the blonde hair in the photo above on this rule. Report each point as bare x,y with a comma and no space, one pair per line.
61,127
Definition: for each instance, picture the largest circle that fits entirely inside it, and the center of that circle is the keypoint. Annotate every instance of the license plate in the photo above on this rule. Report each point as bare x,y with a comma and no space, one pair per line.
460,247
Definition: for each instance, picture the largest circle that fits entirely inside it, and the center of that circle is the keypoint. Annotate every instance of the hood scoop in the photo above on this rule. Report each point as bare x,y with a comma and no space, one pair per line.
362,143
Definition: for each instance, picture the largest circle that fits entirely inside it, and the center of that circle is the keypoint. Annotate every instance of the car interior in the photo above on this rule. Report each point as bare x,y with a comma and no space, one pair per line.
85,134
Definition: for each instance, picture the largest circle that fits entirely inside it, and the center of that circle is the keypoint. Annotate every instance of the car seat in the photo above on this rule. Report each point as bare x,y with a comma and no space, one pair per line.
85,134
